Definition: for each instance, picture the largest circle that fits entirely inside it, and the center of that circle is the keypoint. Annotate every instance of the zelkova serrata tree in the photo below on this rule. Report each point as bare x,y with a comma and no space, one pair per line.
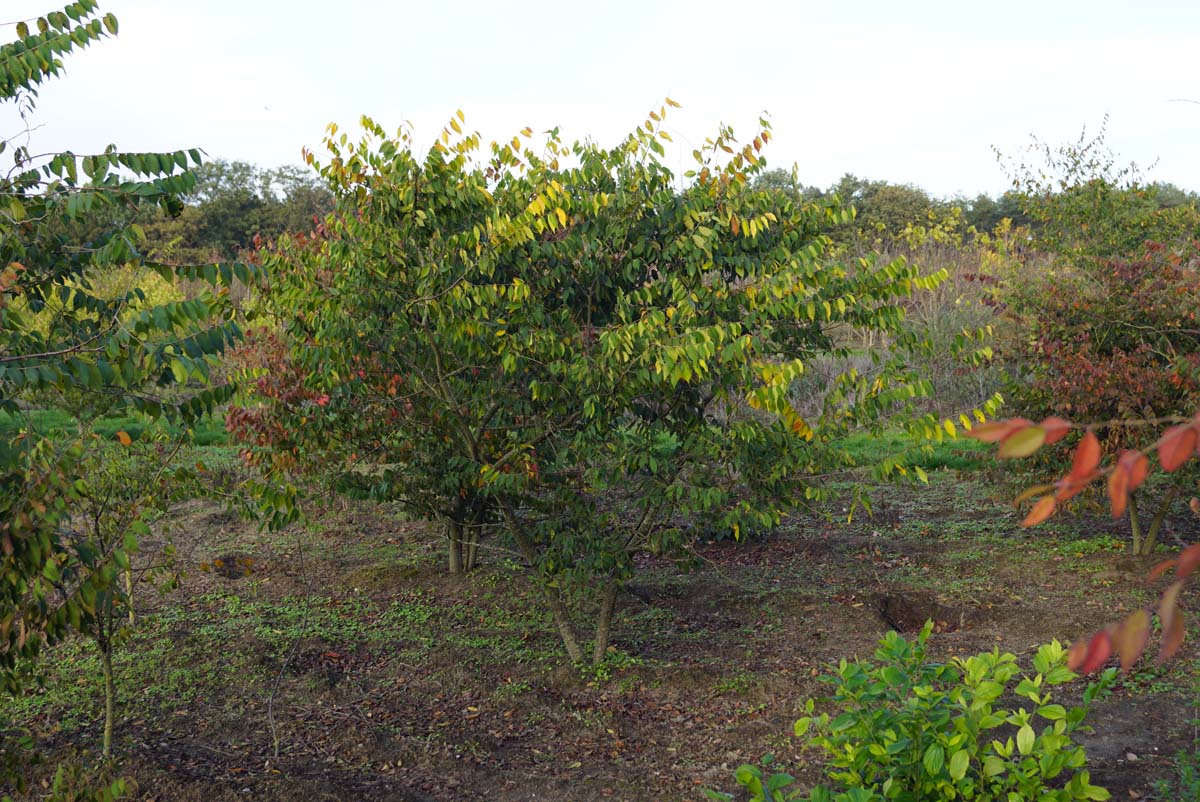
67,223
571,346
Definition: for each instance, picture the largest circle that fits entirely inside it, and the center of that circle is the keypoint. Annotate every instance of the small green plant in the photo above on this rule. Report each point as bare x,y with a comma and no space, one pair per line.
912,730
1185,786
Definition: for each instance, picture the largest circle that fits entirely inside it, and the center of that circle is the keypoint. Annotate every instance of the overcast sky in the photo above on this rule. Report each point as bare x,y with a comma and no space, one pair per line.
912,91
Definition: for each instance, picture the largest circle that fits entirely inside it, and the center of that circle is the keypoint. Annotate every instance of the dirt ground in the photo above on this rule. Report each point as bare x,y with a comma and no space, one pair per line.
394,681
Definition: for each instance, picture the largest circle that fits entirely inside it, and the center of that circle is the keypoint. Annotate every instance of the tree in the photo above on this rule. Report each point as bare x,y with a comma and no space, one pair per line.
1109,332
583,356
67,222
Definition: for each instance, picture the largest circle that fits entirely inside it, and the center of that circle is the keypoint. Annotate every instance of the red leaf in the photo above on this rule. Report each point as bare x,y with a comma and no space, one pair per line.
1056,429
1130,638
1098,652
1189,558
1076,654
1129,472
1087,457
1040,512
1172,637
995,431
1176,445
1160,569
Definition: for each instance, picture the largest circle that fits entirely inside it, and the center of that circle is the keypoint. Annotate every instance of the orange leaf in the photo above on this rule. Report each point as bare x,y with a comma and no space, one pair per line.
1022,442
1129,472
1076,654
1168,611
1118,490
1056,429
1087,457
995,431
124,438
1041,511
1130,638
1172,637
1139,469
1160,569
1098,652
1175,446
1189,558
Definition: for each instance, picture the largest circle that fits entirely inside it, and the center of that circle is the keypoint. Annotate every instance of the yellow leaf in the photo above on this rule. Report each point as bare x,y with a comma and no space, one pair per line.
124,438
562,216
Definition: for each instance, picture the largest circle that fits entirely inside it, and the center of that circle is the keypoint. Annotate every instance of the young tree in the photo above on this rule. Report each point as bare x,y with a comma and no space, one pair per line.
66,221
567,344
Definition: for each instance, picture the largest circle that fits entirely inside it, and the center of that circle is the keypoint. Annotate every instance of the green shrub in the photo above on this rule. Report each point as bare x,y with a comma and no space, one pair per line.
911,730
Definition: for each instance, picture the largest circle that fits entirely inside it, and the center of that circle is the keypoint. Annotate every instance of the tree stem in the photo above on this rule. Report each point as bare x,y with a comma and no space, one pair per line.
608,602
558,610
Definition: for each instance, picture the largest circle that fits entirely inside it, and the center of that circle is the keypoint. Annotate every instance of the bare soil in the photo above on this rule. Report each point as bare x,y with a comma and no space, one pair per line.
403,683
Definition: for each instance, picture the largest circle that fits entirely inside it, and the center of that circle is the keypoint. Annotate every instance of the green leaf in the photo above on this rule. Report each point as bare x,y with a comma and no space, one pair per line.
1022,443
1052,712
959,762
934,759
1025,739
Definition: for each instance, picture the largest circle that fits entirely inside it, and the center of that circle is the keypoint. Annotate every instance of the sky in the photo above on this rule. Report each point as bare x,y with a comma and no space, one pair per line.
909,92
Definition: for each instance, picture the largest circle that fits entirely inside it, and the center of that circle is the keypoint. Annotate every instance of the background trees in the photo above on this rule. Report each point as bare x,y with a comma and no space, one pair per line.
1107,332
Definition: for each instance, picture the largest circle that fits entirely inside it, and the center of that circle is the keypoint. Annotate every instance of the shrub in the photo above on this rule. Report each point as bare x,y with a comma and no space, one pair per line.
910,729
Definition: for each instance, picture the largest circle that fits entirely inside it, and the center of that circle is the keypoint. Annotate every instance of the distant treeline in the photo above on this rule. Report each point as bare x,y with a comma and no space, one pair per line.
235,201
887,207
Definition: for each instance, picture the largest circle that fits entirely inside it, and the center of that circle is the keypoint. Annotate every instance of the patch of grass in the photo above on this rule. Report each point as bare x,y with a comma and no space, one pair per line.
1185,785
738,682
56,423
960,455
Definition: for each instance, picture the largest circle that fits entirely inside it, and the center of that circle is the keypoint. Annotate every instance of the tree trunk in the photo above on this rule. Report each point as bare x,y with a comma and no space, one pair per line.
1151,540
129,594
454,538
1144,543
472,548
110,692
558,610
1135,527
608,601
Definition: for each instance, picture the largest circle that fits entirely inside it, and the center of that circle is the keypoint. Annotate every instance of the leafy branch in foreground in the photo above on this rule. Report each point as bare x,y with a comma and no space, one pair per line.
1124,473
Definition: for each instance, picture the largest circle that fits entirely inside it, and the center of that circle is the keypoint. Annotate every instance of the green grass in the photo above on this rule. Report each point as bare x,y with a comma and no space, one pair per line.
961,454
227,648
56,423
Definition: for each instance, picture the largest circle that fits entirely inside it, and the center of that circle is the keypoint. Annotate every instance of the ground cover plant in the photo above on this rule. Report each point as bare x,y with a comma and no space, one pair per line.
386,678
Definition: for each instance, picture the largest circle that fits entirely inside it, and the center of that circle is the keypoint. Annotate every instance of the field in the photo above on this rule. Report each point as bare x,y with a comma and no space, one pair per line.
337,660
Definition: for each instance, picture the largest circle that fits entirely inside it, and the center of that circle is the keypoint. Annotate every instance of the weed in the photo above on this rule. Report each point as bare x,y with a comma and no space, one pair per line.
510,689
1185,785
738,682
